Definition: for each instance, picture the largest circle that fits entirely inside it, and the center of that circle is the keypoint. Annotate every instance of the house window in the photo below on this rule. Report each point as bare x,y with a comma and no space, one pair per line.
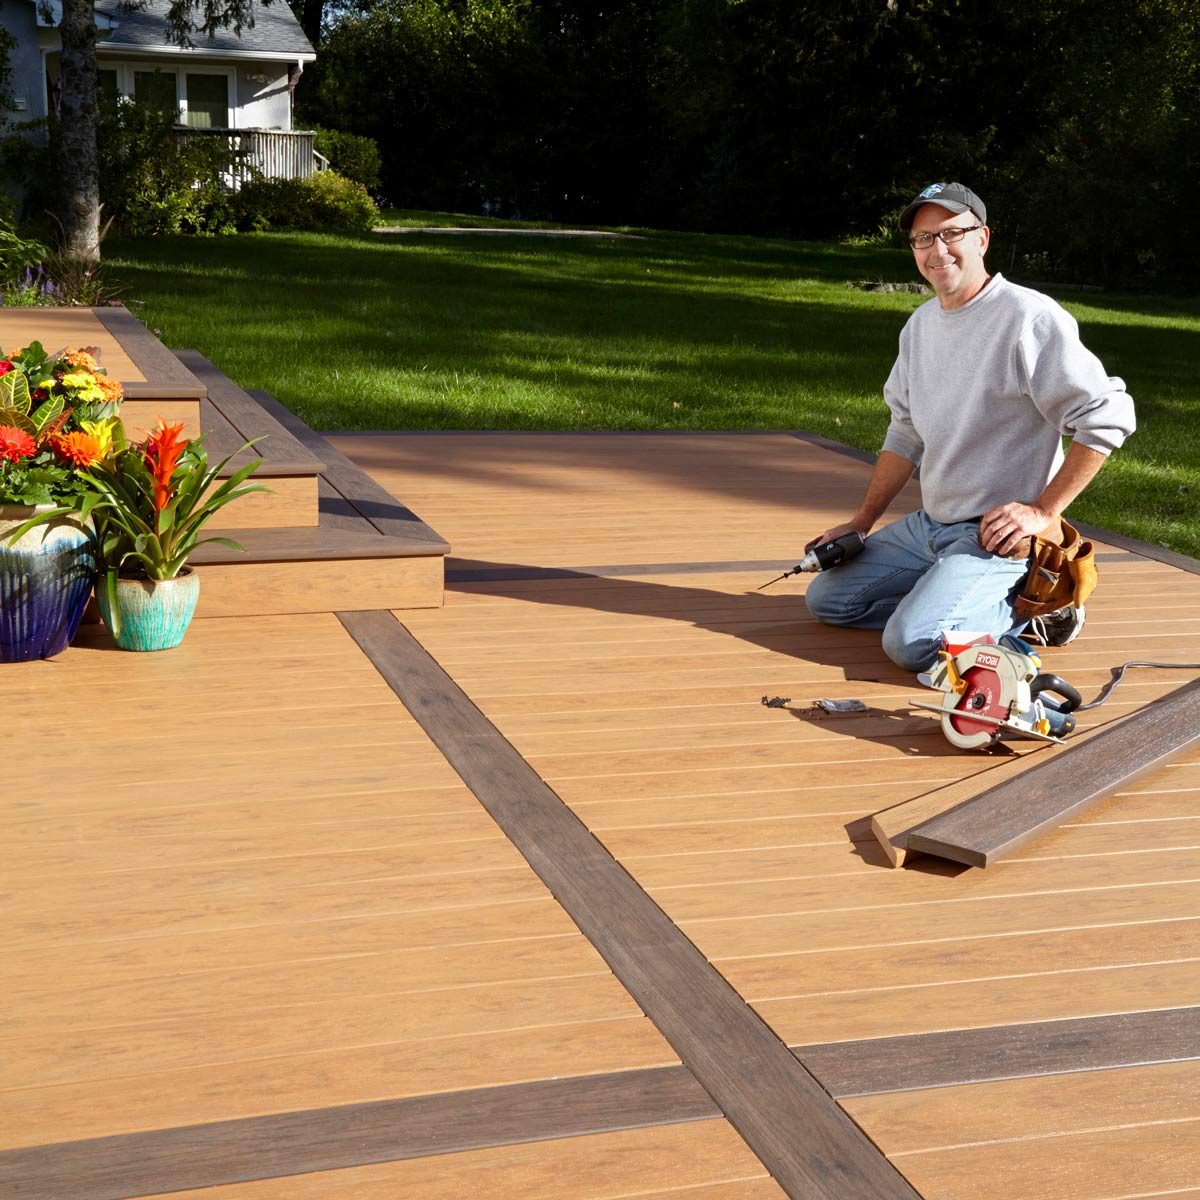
106,88
207,101
156,88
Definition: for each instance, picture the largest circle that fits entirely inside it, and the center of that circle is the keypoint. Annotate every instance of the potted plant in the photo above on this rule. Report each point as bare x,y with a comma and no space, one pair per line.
57,420
150,503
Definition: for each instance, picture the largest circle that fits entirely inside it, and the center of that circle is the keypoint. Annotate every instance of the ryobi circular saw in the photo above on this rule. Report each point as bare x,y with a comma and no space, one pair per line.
994,689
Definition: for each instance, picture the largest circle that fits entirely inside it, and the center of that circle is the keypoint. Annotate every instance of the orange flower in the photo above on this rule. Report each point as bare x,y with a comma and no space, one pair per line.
162,450
79,449
79,360
111,388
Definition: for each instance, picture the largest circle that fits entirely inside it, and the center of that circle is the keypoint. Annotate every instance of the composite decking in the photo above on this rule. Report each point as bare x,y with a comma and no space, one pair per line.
530,895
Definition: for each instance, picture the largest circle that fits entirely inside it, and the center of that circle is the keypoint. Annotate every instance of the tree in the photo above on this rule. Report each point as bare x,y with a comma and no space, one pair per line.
78,165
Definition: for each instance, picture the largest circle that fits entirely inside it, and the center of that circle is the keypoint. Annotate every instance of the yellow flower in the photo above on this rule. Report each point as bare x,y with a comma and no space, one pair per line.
102,433
82,388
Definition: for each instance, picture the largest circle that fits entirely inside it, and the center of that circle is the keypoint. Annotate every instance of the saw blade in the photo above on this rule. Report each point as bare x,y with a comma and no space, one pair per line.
985,695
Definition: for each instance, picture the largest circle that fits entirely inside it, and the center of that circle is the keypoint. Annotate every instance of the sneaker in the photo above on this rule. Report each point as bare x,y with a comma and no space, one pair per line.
1058,628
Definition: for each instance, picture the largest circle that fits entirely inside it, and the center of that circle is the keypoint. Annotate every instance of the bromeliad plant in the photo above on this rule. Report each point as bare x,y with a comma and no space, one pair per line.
151,501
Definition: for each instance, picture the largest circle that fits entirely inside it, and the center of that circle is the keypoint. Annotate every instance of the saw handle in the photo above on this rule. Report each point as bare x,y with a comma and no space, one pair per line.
1069,700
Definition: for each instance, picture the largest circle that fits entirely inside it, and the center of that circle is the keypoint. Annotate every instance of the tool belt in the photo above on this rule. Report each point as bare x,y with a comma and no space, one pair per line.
1058,575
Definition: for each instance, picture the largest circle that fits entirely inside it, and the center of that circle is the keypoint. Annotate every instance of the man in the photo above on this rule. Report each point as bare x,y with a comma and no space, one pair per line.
989,378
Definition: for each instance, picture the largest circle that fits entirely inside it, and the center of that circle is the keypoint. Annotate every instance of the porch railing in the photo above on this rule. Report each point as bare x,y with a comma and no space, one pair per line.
275,153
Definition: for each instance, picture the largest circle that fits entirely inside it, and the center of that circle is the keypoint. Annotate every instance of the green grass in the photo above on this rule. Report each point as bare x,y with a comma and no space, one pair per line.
671,331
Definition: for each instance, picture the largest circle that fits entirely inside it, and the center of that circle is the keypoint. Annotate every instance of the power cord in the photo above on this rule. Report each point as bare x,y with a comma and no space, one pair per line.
1112,683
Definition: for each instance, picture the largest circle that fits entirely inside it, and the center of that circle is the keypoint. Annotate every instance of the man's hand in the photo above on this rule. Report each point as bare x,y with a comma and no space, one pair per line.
835,532
1005,529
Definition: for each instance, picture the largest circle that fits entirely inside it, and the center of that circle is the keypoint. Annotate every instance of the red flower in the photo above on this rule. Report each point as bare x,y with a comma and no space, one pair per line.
15,444
6,366
161,451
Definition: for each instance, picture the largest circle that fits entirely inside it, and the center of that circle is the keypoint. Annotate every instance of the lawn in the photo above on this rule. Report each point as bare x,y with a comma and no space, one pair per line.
666,331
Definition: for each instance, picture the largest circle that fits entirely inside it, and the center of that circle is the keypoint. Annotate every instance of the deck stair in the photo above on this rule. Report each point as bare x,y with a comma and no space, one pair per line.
326,539
230,418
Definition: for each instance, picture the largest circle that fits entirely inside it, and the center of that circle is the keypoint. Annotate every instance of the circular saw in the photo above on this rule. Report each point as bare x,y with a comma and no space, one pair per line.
990,690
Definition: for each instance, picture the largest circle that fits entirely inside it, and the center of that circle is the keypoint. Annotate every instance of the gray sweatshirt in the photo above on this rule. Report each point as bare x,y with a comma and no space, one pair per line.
981,397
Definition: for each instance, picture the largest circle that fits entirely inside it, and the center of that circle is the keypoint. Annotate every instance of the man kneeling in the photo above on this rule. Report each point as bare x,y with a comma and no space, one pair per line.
989,378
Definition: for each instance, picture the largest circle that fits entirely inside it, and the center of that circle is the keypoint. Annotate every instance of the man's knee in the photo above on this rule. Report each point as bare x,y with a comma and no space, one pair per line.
909,648
824,599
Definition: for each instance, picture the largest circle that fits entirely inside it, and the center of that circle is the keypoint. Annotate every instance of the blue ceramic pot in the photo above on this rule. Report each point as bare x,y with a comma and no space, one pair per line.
45,581
154,613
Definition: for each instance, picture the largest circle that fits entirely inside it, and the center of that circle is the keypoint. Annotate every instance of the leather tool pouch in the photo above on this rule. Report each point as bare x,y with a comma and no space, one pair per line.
1058,575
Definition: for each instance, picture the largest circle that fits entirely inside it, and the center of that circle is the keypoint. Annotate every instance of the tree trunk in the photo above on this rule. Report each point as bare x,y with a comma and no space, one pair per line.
79,162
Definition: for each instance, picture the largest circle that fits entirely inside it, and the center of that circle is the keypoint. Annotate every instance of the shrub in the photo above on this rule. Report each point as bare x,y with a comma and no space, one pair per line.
18,255
155,179
325,201
350,155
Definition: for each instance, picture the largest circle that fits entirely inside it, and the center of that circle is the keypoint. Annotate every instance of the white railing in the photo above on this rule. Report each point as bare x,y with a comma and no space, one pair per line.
273,153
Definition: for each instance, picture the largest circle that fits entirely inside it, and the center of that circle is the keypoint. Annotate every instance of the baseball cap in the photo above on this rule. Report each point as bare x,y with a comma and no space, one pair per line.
956,197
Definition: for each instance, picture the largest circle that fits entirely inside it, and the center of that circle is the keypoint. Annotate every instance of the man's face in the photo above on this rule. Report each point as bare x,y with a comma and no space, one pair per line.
955,272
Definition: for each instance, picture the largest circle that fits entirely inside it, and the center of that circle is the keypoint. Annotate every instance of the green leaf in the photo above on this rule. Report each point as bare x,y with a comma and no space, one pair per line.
46,412
11,416
14,392
110,590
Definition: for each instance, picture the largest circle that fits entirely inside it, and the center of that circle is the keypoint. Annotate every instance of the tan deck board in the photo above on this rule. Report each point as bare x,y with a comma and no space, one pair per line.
306,921
1128,1131
67,328
172,1096
209,1034
703,1160
250,951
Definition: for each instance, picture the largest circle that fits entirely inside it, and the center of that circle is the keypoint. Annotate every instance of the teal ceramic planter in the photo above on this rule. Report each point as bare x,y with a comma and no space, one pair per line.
154,613
45,581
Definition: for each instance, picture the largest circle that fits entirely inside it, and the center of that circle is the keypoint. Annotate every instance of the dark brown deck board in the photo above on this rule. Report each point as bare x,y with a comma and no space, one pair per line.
166,377
379,506
326,1139
1135,546
1001,819
195,1156
280,450
899,1064
807,1143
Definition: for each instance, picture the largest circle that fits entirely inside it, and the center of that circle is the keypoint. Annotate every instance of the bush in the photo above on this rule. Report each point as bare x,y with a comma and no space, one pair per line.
325,201
350,155
155,180
18,255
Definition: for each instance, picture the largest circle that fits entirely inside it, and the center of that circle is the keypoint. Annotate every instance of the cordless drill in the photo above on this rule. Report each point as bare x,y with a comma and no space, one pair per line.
828,554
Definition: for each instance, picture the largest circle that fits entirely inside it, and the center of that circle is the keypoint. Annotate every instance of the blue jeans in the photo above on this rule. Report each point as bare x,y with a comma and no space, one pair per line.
916,578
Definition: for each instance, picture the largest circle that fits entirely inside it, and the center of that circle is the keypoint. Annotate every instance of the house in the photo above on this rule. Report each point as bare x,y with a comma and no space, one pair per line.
244,84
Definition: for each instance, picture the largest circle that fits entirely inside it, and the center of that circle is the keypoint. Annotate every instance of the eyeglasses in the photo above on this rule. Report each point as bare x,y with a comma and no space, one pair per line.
956,233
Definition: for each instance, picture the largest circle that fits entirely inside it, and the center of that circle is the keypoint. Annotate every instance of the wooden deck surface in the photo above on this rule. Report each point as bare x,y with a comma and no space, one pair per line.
260,892
68,328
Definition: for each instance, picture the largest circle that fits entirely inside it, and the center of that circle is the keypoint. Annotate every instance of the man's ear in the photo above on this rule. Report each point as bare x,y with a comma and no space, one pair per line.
985,235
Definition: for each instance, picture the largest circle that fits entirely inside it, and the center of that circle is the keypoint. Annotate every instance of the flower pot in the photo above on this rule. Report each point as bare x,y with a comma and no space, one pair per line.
154,613
45,581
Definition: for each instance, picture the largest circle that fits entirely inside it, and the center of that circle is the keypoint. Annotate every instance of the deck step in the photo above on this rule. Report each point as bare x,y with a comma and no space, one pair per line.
366,550
230,417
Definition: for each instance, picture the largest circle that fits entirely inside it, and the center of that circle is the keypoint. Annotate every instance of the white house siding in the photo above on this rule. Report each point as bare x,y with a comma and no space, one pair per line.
262,96
25,60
